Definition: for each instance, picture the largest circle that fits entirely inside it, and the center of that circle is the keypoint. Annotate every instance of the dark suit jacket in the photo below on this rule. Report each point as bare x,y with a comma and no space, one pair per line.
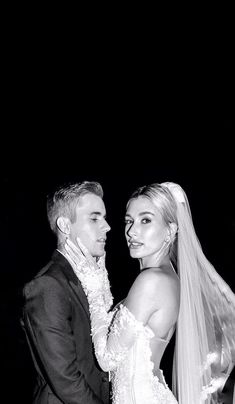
57,325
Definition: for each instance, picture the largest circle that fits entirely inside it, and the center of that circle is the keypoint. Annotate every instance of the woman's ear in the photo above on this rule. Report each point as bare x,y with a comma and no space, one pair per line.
173,228
63,224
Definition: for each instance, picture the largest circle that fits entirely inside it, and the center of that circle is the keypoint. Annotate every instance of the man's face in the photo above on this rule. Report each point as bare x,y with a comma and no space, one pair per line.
90,225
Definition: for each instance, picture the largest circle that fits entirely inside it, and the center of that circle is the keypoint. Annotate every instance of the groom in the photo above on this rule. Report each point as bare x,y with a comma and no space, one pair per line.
56,313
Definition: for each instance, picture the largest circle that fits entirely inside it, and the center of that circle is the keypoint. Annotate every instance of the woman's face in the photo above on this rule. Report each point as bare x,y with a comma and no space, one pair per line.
145,229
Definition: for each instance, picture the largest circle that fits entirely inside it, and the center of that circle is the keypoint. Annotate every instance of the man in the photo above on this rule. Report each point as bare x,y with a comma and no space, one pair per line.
56,313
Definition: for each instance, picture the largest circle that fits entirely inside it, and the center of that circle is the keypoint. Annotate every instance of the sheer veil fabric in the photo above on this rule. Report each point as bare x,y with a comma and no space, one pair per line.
205,335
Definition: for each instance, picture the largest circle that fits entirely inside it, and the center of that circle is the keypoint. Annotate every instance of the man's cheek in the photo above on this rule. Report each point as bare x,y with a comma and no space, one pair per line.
86,240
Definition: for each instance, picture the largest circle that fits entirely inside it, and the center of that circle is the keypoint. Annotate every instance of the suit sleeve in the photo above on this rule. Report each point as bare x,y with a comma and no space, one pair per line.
47,314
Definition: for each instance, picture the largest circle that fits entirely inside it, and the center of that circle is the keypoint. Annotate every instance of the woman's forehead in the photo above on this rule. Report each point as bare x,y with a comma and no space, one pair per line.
141,204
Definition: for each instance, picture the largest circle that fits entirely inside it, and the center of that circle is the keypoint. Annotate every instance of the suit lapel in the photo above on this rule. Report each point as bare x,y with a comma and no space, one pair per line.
74,282
77,288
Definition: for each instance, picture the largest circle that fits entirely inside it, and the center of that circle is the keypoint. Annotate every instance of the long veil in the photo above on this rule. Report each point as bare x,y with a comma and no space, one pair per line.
205,336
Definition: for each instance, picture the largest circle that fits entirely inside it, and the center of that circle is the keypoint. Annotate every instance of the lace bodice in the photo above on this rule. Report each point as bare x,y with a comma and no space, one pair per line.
133,380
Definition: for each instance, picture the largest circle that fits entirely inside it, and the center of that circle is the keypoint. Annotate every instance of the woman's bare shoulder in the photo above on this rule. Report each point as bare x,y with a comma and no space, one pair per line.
153,289
156,276
156,282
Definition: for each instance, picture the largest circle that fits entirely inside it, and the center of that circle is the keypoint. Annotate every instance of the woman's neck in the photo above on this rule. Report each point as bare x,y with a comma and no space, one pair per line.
152,262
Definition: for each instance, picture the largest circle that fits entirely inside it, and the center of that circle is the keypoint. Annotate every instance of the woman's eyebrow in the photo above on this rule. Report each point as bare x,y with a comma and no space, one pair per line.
146,213
142,213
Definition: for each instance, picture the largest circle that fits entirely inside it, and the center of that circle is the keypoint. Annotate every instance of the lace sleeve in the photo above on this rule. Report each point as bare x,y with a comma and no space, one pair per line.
112,333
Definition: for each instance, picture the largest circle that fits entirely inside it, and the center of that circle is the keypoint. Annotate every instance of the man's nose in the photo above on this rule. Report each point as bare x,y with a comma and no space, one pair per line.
106,227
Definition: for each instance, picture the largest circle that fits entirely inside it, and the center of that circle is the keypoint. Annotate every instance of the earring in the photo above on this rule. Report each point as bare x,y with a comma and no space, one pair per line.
167,239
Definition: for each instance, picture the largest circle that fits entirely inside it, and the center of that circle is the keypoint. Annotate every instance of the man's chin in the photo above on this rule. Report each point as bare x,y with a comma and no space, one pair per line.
99,253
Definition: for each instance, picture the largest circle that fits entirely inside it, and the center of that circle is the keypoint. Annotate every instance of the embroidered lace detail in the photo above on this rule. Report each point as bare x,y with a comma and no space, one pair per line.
125,318
215,385
95,280
121,343
112,348
133,382
108,297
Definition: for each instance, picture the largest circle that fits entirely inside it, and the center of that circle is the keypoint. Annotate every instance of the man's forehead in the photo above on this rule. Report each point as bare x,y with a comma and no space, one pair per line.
91,203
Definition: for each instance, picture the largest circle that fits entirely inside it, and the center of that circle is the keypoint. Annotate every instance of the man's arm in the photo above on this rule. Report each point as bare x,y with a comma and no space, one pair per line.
46,316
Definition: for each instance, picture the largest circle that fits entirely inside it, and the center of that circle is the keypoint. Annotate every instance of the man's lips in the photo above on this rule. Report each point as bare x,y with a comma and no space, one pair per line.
102,240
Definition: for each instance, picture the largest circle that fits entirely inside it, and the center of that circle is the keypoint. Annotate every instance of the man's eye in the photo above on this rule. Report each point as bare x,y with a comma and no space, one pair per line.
94,219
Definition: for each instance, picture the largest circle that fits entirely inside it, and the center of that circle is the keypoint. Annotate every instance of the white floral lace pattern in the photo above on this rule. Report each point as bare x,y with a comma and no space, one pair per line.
95,281
122,344
133,382
108,297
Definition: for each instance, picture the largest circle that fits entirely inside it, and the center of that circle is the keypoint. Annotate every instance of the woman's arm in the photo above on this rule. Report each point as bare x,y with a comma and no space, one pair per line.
114,333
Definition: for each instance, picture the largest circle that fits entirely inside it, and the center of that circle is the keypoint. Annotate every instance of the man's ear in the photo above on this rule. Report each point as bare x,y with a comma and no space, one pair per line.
63,224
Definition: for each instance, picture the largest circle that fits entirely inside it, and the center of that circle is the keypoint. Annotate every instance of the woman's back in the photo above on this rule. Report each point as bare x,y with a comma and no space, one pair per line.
154,300
162,321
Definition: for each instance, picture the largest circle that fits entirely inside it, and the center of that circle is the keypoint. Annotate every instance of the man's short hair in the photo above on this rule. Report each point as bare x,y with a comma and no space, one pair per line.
64,200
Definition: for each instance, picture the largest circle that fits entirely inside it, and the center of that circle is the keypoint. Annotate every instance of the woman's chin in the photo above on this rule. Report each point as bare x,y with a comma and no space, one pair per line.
134,253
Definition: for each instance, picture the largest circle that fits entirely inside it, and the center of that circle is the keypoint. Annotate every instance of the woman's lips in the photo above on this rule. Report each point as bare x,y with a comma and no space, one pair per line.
135,245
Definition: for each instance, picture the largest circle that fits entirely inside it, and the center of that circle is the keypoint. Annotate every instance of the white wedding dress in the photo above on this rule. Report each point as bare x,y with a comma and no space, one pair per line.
123,345
134,380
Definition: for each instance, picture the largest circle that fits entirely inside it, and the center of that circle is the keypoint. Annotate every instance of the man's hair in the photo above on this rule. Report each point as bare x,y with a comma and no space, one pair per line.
64,200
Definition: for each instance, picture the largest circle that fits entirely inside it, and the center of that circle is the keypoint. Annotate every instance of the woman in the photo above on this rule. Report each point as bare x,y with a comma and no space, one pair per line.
131,340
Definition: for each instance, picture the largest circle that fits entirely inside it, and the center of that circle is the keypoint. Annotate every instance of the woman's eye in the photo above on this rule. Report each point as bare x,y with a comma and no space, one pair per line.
127,221
146,220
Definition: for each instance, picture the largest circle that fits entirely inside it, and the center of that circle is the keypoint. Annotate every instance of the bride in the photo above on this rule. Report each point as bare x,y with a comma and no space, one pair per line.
177,289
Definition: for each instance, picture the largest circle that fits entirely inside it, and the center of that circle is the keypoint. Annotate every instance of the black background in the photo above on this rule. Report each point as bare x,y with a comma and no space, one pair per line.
121,115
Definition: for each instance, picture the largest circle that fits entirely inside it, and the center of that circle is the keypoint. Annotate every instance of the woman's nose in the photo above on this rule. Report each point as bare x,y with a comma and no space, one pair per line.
132,231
